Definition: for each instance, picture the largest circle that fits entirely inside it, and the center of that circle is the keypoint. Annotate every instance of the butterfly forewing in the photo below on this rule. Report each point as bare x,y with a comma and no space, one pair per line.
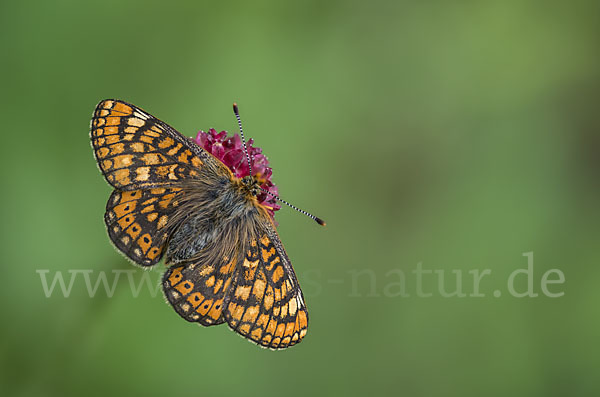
134,150
266,304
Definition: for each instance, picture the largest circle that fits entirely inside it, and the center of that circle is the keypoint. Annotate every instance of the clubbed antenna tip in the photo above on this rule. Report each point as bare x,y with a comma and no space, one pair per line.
319,220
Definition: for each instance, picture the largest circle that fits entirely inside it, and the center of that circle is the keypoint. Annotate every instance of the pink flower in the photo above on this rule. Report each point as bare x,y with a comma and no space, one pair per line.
230,151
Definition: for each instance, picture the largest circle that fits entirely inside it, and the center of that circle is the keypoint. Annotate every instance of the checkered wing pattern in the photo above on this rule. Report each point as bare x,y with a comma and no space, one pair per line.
135,150
136,222
198,292
265,304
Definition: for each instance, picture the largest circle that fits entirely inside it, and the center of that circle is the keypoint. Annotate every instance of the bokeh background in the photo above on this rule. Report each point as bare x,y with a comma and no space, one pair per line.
458,135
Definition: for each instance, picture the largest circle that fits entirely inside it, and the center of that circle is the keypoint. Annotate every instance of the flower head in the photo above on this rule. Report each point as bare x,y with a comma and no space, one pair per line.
230,151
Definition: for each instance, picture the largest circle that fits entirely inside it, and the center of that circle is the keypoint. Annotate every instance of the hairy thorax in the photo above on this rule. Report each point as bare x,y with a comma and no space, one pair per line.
213,218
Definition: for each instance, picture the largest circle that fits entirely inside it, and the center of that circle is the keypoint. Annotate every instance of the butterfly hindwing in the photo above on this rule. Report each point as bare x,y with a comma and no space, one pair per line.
135,150
265,303
198,292
136,222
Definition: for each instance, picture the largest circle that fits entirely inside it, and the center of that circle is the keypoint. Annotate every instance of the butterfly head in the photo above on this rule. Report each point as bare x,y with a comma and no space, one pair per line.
251,185
249,166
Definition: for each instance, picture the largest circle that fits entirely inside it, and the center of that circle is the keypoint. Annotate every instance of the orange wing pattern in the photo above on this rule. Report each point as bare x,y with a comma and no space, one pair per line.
135,150
265,304
136,222
198,292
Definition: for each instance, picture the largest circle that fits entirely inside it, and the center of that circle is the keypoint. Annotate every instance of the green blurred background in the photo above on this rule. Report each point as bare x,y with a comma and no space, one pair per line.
459,135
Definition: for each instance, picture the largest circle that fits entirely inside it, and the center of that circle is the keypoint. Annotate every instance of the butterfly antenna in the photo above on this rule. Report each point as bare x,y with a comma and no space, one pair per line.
237,116
318,220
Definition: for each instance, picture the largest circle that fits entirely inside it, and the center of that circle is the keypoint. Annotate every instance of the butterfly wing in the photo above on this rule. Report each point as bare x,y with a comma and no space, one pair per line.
259,297
197,292
136,222
135,150
147,162
265,303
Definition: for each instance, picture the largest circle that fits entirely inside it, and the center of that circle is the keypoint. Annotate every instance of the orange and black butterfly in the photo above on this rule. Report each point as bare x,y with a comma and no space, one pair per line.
176,200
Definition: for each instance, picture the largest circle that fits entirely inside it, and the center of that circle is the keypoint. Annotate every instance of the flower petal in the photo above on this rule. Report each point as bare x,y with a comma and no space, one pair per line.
231,152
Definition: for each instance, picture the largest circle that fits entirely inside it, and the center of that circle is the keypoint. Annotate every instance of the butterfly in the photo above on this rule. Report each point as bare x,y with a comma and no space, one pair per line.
174,199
